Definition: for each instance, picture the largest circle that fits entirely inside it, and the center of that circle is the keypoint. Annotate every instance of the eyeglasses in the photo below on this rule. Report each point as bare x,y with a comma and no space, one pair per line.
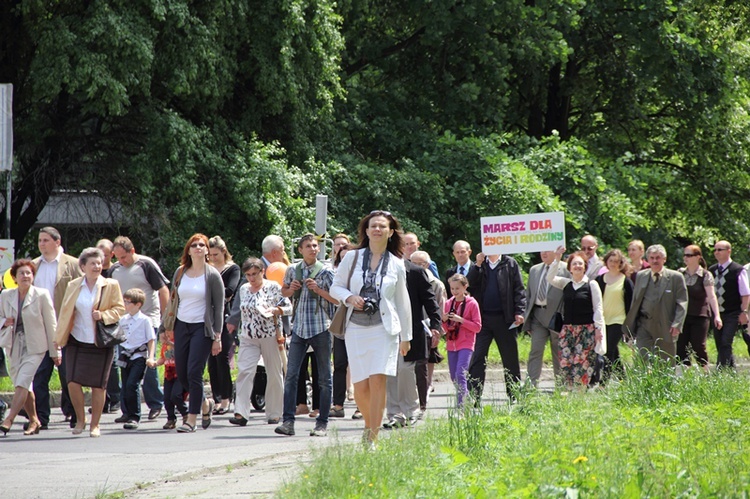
381,212
720,249
127,302
688,255
588,248
198,245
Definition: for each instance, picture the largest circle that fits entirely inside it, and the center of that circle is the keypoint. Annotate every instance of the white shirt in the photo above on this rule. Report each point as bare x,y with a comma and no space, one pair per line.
192,307
140,331
84,329
46,274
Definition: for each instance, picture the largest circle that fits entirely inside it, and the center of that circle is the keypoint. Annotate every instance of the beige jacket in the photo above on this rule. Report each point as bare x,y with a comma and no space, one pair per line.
112,307
39,321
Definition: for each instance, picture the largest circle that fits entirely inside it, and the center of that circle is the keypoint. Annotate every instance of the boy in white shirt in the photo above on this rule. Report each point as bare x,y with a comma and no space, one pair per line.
135,354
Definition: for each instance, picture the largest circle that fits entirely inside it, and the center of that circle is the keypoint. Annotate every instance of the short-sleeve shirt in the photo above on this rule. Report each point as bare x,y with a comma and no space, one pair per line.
145,275
139,331
312,313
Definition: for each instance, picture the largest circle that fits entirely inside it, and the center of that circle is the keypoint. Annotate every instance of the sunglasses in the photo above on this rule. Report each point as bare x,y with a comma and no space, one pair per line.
588,248
688,255
198,245
381,212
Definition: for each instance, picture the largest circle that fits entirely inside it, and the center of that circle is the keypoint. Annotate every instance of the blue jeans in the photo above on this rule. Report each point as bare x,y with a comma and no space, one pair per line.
130,398
321,345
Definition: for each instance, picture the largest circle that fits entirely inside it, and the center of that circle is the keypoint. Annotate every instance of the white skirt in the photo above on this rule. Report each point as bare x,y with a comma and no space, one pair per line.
371,350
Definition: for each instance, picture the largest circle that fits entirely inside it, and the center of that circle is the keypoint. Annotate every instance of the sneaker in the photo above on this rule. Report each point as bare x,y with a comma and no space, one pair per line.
285,428
320,430
122,419
131,425
394,423
171,424
336,413
154,413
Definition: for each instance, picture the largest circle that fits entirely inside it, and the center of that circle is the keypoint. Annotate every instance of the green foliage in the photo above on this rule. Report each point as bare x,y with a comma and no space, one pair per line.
585,444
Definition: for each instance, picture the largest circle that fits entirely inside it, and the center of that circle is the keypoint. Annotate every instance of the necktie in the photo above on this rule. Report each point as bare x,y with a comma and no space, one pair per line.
657,276
720,287
541,295
461,270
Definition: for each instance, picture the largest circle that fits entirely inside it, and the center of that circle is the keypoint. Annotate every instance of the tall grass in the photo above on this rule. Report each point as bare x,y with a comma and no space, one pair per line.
653,434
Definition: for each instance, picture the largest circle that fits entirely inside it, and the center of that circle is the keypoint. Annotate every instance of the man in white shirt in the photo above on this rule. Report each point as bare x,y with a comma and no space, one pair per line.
589,245
54,270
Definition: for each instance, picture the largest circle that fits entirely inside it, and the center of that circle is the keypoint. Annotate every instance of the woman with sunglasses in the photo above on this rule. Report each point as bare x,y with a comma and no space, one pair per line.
198,298
379,322
701,301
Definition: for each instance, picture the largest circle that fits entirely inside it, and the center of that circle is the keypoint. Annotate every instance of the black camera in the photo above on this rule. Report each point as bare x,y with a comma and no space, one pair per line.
370,307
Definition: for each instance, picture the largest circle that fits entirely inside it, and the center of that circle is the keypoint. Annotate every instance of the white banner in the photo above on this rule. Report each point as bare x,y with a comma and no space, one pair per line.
527,233
6,127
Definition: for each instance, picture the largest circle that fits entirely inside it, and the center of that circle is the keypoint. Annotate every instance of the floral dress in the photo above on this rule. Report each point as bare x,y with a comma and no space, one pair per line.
582,315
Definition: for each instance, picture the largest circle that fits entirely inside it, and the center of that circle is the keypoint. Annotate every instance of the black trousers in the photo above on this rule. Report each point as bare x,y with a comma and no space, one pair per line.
694,334
219,374
340,365
495,328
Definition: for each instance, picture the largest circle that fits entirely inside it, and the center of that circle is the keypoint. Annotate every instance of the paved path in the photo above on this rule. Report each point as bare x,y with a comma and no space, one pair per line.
224,460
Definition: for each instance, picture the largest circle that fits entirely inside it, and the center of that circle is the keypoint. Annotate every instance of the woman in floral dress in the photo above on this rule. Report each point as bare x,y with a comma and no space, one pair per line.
583,332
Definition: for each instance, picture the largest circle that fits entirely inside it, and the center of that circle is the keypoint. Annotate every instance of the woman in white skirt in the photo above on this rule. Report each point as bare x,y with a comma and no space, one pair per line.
28,322
379,316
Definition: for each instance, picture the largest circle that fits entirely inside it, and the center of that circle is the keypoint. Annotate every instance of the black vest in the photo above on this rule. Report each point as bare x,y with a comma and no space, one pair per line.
732,298
578,306
697,303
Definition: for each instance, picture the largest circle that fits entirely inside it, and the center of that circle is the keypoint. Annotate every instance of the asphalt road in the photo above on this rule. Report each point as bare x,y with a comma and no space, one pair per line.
150,462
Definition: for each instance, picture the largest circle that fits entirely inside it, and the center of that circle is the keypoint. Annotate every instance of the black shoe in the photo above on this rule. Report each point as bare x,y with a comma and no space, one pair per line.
73,422
122,419
154,413
238,420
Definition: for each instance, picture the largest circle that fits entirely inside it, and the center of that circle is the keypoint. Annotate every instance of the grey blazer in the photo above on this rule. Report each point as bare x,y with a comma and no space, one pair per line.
673,301
554,295
214,317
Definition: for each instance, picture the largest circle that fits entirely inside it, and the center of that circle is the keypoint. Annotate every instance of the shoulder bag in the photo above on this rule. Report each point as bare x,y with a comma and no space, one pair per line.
108,335
338,323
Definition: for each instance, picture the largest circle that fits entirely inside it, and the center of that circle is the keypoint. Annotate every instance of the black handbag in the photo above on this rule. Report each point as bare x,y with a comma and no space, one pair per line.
556,322
108,335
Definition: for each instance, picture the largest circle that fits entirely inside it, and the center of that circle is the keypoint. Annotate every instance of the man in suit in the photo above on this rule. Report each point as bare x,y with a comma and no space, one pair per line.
464,266
425,370
659,307
502,302
733,294
542,301
589,245
402,397
54,271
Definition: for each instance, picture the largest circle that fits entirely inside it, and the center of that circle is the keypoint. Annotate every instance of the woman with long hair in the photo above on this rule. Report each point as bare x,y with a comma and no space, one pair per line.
379,317
198,298
617,293
219,372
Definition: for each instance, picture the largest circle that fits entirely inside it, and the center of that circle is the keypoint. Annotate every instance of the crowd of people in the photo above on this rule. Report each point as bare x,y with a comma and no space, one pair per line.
215,313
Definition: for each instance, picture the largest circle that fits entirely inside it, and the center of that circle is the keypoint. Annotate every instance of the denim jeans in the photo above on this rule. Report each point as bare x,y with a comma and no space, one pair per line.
321,345
152,392
130,399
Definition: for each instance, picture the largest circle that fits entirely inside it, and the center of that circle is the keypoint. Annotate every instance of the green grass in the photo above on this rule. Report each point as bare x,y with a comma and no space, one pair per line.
653,435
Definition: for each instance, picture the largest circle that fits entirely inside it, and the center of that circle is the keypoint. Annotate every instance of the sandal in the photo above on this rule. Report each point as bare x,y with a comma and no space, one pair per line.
186,428
221,410
206,419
